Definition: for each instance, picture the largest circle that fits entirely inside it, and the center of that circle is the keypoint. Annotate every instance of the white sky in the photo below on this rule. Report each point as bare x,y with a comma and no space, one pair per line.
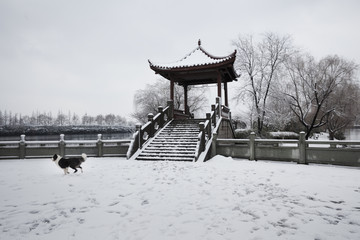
89,56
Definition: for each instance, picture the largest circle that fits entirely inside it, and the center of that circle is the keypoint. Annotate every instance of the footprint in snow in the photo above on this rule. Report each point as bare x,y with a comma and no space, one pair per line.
337,202
113,204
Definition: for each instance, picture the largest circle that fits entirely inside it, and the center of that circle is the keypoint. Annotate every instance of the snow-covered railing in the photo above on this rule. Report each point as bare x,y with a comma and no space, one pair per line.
225,112
303,151
40,149
211,126
148,130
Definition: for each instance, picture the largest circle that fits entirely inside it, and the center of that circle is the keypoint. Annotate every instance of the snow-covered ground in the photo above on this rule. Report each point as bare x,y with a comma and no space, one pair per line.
220,199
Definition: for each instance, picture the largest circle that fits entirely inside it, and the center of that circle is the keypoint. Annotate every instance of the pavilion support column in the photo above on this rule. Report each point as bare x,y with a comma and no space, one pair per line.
219,84
226,94
186,99
172,89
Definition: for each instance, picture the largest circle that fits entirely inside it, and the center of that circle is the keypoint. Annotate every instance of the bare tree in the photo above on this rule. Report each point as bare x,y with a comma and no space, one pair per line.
345,111
279,115
61,118
149,99
261,65
110,119
99,119
311,86
154,95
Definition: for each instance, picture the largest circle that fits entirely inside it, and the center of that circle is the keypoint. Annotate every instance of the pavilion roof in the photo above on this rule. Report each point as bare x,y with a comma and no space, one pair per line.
198,67
196,58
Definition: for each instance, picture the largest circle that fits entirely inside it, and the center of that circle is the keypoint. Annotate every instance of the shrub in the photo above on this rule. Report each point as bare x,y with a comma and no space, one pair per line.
283,135
242,133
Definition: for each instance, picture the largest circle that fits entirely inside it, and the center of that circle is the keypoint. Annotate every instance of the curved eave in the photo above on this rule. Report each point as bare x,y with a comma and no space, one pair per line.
232,55
195,75
227,60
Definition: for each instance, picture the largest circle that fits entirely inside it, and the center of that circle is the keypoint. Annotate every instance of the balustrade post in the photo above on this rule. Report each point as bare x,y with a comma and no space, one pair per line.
252,146
213,145
218,101
202,140
213,109
22,147
208,117
302,148
151,120
170,103
161,121
100,145
62,145
138,129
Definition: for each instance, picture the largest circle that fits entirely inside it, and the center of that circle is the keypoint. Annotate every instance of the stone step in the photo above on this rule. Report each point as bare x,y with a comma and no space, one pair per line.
163,151
182,140
166,155
167,148
168,136
174,144
181,130
178,136
147,158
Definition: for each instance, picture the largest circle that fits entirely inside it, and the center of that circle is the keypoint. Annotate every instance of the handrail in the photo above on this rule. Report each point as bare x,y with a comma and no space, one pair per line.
148,130
207,128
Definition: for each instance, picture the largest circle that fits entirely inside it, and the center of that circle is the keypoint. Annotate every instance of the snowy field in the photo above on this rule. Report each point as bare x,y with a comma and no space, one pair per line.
220,199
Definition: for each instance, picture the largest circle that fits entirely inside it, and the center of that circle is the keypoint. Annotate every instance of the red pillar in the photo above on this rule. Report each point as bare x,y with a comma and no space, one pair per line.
186,99
219,84
172,90
226,94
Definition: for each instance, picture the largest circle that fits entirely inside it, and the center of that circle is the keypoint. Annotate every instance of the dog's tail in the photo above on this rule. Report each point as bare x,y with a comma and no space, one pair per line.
84,157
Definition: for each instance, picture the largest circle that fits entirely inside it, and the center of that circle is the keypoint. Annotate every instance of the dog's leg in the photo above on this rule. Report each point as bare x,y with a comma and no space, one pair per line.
80,168
65,171
74,169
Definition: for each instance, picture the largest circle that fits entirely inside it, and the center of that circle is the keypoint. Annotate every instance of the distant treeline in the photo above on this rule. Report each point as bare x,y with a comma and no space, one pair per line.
7,118
12,124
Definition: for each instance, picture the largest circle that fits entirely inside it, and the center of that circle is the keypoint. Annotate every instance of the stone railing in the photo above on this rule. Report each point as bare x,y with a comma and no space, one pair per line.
346,153
210,125
148,130
41,149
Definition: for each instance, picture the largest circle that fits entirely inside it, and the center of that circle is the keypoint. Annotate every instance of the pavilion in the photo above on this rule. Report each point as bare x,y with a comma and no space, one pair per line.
199,68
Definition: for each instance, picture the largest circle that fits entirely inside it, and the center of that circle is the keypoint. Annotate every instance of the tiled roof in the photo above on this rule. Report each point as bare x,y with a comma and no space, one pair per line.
198,57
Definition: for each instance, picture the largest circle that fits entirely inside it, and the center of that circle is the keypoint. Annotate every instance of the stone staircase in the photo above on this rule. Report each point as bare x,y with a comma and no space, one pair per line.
176,142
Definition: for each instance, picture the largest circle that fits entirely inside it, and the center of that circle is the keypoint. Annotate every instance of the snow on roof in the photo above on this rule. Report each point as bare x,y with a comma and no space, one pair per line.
198,57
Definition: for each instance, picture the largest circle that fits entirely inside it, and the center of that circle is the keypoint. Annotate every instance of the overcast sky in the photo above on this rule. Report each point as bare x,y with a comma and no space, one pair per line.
88,56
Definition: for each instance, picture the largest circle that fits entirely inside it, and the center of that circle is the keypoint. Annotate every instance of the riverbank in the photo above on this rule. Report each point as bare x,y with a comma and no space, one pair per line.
56,130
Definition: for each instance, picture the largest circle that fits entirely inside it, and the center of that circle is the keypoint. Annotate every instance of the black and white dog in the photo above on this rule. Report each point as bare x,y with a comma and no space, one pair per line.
72,162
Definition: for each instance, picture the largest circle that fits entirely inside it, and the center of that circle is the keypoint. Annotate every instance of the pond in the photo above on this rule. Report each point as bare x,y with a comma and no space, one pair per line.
352,133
